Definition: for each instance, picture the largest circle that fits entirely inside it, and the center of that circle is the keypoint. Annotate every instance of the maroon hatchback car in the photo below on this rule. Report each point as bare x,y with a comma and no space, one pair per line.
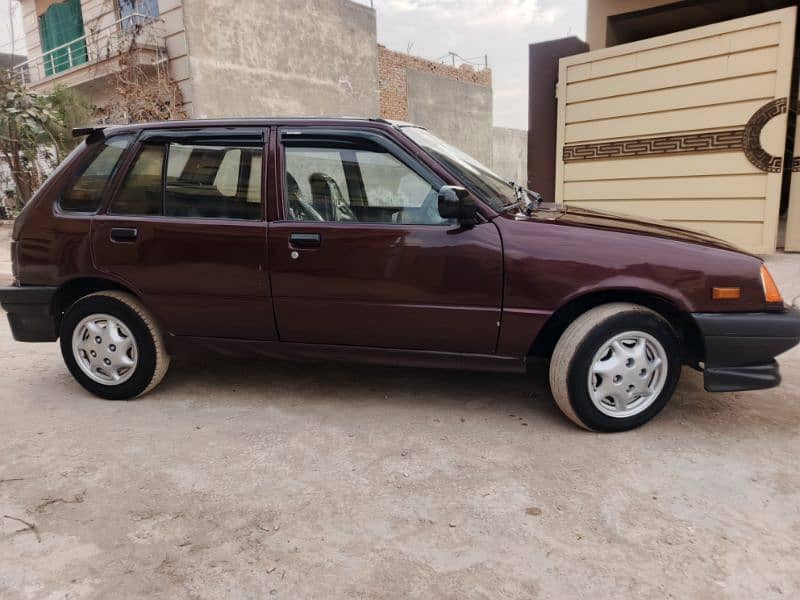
373,241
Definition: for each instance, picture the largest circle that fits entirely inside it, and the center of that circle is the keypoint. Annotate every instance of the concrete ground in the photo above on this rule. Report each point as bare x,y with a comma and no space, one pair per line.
269,479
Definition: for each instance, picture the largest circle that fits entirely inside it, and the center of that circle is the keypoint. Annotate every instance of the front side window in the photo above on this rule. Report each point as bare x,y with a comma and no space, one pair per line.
316,185
366,185
86,190
201,181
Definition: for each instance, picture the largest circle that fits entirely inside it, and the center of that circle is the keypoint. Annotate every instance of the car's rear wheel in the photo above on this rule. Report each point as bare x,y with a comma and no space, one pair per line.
112,345
615,367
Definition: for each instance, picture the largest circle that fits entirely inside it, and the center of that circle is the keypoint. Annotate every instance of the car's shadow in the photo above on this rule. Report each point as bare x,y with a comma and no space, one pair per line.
214,379
223,379
228,379
218,380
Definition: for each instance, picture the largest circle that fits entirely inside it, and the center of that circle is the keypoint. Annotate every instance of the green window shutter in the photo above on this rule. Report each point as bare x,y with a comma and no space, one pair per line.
60,24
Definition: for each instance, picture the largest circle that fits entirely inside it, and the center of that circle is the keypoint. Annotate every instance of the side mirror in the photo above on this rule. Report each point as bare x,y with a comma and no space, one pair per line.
457,203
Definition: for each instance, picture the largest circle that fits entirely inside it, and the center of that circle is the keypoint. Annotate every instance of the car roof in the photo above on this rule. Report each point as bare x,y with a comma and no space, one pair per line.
241,122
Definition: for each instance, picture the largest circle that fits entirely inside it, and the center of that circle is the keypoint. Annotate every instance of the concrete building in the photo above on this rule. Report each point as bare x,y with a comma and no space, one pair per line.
510,153
264,60
677,111
299,57
440,97
249,57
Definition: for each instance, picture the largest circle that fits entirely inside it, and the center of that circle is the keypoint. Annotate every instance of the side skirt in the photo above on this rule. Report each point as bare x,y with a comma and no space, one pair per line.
182,345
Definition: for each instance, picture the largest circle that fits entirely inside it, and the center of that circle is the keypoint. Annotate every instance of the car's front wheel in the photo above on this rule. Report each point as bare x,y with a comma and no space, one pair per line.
112,345
615,367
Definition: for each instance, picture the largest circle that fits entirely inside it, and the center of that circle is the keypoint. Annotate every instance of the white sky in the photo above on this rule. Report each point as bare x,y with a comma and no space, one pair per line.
5,27
502,29
471,28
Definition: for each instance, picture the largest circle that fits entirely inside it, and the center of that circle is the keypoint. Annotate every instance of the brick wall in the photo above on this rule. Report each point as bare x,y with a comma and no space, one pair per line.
392,69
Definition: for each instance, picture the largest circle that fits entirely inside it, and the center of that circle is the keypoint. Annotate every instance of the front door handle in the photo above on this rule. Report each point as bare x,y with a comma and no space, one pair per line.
124,234
305,240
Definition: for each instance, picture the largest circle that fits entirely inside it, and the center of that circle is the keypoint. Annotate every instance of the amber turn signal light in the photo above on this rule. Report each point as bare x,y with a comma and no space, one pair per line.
771,292
726,293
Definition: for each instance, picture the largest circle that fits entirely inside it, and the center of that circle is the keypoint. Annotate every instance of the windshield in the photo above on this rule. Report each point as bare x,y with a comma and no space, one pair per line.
491,187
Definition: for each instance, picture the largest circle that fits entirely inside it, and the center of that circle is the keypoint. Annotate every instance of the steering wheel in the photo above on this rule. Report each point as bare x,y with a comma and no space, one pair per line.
300,210
344,212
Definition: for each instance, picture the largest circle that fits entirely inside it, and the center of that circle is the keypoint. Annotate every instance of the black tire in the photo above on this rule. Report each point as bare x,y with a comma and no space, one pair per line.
572,359
153,360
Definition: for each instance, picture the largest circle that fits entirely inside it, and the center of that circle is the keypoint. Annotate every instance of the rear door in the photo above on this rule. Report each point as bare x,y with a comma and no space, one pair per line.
186,229
361,257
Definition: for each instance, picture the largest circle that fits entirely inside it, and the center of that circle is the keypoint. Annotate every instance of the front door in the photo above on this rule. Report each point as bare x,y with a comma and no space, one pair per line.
361,256
186,230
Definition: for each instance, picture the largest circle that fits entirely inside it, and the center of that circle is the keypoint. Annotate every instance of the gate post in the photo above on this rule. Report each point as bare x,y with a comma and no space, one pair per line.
543,110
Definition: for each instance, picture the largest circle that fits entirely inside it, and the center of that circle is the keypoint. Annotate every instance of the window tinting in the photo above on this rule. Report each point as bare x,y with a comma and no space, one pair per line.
140,193
214,182
86,190
345,185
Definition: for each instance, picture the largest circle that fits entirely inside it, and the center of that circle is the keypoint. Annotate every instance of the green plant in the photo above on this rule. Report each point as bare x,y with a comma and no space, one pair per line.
23,120
35,131
72,110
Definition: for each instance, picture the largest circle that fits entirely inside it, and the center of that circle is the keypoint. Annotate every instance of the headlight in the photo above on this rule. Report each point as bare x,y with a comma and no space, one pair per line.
771,292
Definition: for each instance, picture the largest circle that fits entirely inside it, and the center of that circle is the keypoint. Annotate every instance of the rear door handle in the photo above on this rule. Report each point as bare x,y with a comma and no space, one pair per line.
124,234
305,240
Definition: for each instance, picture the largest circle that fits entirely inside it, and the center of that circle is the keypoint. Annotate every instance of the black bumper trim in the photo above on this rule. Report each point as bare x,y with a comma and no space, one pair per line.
740,348
29,312
737,379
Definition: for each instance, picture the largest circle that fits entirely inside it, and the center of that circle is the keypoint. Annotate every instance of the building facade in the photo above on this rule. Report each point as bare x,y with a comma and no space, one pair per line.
439,97
263,61
678,111
227,58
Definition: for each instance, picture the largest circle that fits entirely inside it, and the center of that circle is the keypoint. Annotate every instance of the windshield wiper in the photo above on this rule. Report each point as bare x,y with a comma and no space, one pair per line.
527,200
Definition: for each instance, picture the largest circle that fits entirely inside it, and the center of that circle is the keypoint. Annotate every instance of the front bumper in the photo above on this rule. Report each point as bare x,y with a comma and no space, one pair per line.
740,348
29,312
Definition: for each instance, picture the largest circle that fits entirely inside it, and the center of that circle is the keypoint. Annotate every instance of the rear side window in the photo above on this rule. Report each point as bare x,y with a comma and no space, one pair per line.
213,182
140,193
85,192
201,181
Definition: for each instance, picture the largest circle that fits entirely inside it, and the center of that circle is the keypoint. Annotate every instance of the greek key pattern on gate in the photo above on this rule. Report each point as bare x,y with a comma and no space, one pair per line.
715,141
747,140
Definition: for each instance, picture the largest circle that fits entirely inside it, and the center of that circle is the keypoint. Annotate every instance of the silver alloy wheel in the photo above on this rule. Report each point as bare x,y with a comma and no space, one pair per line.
627,374
105,349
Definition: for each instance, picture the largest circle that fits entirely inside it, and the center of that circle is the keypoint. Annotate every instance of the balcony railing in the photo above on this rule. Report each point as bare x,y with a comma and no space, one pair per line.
133,31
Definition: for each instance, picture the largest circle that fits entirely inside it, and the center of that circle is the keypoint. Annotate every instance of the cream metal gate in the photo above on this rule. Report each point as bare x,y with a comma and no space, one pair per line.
688,127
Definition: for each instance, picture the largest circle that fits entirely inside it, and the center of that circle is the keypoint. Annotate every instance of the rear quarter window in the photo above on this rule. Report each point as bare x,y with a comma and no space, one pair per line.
85,191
